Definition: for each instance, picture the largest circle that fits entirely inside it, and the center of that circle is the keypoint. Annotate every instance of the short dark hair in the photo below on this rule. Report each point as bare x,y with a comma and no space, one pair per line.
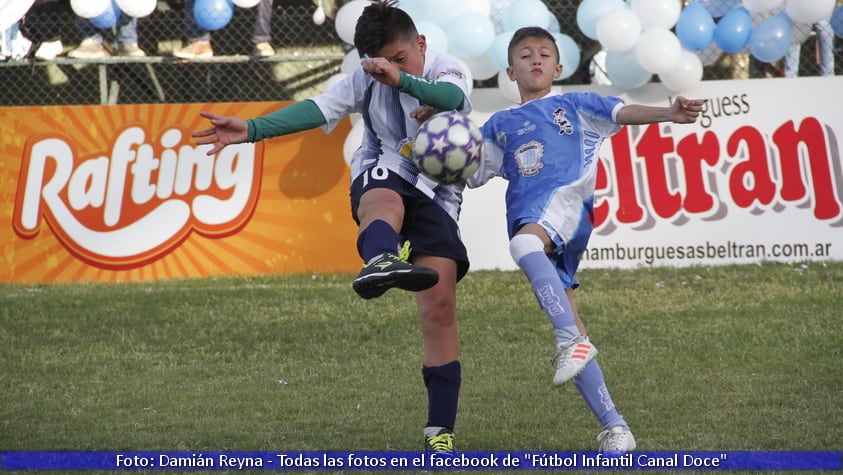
382,23
530,32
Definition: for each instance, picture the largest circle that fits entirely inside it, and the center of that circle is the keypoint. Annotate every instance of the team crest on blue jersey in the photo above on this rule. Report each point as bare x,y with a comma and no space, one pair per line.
564,124
501,139
529,158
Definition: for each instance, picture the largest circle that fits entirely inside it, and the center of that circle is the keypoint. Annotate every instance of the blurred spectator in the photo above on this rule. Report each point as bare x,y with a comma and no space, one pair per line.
13,45
93,46
199,39
825,51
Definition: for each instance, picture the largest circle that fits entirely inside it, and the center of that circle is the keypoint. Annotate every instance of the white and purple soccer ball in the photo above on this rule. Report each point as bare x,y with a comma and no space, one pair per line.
447,147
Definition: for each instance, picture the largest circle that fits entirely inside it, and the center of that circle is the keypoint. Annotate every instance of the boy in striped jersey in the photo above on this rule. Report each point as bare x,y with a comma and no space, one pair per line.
391,202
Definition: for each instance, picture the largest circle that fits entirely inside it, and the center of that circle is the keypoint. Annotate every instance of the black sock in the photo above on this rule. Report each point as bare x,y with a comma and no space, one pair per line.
377,238
443,393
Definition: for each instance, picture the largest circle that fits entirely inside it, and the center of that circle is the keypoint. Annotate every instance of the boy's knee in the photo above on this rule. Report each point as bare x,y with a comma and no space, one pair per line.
523,244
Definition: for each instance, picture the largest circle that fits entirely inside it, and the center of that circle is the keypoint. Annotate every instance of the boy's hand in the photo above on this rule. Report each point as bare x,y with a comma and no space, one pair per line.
686,111
422,113
382,70
226,130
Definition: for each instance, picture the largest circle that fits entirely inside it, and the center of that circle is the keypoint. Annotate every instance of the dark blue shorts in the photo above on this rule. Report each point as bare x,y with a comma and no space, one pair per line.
426,225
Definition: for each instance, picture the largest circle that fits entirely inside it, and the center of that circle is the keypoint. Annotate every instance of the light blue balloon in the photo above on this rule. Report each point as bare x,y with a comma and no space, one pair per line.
521,13
213,14
440,12
590,11
771,39
733,30
499,50
569,54
108,18
837,21
625,71
414,8
470,35
695,27
437,40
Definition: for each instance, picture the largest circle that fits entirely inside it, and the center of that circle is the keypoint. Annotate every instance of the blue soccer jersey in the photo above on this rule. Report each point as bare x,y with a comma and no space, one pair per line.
547,149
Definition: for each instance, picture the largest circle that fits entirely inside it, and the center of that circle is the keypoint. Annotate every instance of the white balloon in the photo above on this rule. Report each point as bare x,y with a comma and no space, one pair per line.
499,49
589,13
89,8
482,67
137,8
483,7
437,40
658,50
244,3
618,29
758,6
522,13
469,35
685,74
809,11
319,15
508,87
657,13
346,19
554,26
353,141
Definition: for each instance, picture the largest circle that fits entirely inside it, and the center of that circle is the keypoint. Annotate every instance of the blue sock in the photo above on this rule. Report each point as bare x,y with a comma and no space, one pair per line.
443,393
376,239
528,252
592,388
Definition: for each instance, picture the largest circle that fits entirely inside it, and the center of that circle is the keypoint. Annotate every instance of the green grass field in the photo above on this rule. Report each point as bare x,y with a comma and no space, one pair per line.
723,358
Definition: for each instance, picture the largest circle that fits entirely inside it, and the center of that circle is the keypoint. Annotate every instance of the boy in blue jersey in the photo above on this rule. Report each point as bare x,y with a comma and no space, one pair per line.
547,148
390,200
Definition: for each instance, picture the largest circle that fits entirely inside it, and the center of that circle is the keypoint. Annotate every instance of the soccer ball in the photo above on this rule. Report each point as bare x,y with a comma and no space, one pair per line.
447,148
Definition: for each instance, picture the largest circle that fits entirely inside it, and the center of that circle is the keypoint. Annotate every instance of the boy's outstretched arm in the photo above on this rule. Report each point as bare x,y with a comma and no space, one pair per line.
682,111
226,130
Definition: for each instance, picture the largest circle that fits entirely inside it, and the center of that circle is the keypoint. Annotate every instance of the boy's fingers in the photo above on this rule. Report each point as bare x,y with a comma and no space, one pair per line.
204,132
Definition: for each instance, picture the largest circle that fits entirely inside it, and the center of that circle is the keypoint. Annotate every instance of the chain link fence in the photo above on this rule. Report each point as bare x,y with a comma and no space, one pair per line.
306,55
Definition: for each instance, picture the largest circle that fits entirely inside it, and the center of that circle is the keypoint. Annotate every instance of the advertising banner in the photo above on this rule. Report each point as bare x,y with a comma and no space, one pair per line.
112,193
757,178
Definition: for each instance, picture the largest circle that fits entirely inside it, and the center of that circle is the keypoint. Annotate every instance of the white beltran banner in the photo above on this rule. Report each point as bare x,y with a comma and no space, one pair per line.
757,178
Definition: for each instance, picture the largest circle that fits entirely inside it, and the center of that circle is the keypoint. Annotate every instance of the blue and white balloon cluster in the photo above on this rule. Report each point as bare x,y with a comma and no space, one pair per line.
477,32
106,13
646,37
209,14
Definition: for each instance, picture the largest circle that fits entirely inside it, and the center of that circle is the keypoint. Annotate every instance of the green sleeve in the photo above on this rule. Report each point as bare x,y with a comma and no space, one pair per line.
437,94
296,117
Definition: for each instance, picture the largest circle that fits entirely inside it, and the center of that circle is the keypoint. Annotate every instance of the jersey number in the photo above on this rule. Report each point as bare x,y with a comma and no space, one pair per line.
376,173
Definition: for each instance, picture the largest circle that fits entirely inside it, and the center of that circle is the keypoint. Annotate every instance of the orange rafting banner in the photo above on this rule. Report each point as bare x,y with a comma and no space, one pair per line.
123,193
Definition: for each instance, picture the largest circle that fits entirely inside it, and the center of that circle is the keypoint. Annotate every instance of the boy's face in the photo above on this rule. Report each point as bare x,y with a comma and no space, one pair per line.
534,64
406,55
